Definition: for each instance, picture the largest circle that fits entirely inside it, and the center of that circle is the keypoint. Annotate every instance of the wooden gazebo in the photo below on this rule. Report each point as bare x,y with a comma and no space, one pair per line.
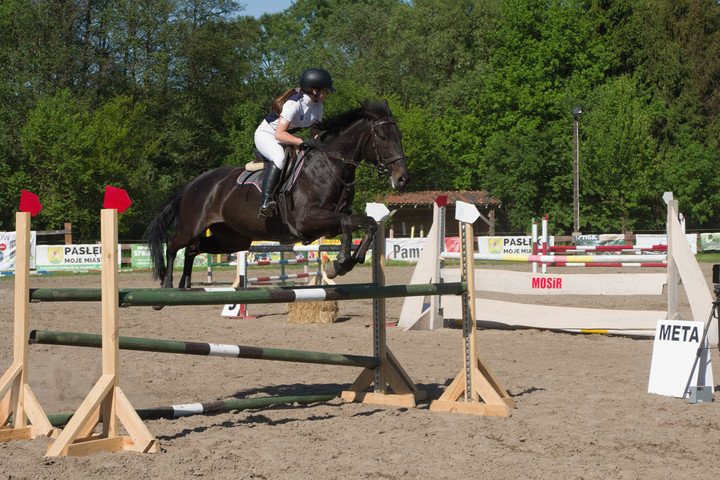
413,216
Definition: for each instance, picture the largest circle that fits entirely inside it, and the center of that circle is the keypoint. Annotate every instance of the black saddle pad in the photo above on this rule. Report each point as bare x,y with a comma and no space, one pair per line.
252,179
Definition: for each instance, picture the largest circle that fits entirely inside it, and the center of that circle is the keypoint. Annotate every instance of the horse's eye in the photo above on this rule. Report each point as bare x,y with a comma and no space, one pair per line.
383,137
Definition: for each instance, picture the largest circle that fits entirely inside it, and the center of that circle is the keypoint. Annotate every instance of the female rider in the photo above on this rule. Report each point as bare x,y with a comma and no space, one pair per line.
295,109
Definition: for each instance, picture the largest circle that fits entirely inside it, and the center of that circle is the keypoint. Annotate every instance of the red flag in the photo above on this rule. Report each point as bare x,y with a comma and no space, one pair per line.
29,202
116,198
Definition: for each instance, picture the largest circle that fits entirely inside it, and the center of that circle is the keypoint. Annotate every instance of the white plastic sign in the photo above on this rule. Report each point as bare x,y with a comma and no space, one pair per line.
674,353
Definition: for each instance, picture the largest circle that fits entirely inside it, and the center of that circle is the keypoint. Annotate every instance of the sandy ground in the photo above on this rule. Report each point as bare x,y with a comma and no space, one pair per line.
582,407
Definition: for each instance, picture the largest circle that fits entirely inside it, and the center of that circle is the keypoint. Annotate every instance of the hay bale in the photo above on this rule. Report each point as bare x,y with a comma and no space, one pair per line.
305,313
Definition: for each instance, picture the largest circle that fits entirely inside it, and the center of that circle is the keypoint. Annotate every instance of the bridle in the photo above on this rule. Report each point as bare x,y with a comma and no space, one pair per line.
382,163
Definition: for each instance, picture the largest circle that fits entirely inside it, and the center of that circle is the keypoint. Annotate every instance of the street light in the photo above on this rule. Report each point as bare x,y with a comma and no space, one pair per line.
576,111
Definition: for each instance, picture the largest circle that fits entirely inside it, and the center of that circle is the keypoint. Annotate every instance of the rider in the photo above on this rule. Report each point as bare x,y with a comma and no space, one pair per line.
295,109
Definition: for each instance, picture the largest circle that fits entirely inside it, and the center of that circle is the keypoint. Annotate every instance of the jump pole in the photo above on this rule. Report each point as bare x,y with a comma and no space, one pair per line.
45,337
208,408
18,401
106,402
476,383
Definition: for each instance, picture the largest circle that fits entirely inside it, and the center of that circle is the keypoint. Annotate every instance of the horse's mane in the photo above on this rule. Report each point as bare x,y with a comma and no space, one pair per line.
334,124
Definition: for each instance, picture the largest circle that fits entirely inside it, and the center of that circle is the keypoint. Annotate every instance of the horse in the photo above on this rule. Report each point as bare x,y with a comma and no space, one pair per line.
317,205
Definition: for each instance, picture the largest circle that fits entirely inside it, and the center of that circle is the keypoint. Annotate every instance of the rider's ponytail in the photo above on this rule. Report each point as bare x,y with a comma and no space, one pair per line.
278,103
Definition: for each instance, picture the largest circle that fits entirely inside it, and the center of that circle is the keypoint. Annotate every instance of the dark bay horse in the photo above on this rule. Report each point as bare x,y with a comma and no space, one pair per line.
317,205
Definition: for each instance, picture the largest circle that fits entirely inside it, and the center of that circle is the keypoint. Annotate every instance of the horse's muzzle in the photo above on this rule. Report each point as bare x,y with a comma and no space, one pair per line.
398,180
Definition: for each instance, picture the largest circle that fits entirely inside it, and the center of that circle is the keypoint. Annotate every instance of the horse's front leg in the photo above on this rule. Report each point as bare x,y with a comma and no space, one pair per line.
369,226
346,260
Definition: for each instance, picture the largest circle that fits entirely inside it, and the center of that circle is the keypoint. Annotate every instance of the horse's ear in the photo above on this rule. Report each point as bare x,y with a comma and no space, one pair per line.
385,102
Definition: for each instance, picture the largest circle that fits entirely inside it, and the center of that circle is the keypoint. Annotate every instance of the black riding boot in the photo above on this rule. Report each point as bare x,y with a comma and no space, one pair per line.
270,180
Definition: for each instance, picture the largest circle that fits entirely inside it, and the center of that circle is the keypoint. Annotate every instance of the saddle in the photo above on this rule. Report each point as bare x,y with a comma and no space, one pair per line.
294,162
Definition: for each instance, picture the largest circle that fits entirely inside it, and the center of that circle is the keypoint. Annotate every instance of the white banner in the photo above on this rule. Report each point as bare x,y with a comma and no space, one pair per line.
70,257
647,240
404,249
7,250
521,245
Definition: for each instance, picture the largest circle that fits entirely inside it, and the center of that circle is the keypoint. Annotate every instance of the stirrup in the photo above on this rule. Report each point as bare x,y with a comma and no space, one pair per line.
267,209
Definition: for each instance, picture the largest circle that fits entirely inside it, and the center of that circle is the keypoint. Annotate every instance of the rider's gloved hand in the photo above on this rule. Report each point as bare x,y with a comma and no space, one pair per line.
310,142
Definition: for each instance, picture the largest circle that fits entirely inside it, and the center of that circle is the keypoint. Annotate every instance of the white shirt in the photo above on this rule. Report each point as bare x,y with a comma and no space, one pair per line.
299,110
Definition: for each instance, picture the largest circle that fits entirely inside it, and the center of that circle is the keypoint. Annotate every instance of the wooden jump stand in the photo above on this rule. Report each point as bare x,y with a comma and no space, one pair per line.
475,389
106,402
19,402
389,373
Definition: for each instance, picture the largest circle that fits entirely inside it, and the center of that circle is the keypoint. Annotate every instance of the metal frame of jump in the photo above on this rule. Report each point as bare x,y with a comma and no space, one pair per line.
475,390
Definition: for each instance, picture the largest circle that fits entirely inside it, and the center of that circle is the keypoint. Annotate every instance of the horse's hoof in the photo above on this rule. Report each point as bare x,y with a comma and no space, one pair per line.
331,271
335,269
158,307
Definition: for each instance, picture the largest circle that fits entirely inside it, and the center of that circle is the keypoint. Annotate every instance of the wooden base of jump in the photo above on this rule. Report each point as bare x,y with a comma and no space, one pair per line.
390,373
486,387
106,403
20,404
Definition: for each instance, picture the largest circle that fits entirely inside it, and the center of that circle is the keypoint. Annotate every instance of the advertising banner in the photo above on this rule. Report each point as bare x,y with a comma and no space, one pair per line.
520,245
77,258
140,258
710,242
643,240
404,249
602,240
7,251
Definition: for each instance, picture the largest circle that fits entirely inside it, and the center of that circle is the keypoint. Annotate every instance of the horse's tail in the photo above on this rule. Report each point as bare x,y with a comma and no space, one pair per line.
156,233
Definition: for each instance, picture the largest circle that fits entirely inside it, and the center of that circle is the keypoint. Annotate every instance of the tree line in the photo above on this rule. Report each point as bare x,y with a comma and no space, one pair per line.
147,94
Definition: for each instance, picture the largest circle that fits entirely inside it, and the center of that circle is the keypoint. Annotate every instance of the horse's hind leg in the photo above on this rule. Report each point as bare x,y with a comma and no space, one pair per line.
186,278
223,240
170,261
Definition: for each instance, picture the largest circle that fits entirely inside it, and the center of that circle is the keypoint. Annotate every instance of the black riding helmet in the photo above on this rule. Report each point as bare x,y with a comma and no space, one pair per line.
316,78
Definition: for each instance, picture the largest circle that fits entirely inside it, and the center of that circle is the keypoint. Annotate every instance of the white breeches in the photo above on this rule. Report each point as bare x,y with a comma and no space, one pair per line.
268,146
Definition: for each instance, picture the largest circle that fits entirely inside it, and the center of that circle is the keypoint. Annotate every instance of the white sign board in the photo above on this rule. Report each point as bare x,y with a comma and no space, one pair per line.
404,249
674,353
79,258
7,250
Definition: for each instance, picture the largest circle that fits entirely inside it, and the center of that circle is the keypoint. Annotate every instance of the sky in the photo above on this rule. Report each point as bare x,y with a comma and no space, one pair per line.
255,8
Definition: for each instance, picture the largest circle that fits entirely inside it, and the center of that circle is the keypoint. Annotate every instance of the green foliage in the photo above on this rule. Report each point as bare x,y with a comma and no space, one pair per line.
147,95
73,154
619,159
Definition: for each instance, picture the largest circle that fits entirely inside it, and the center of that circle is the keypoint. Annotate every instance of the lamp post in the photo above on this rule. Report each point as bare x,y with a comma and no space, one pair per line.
576,111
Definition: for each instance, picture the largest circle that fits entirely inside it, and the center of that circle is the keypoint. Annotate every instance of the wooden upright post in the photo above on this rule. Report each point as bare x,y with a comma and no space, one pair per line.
18,400
475,383
389,373
106,403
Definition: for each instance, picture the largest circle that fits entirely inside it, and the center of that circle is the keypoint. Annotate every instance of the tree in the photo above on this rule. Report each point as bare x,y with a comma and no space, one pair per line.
619,158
